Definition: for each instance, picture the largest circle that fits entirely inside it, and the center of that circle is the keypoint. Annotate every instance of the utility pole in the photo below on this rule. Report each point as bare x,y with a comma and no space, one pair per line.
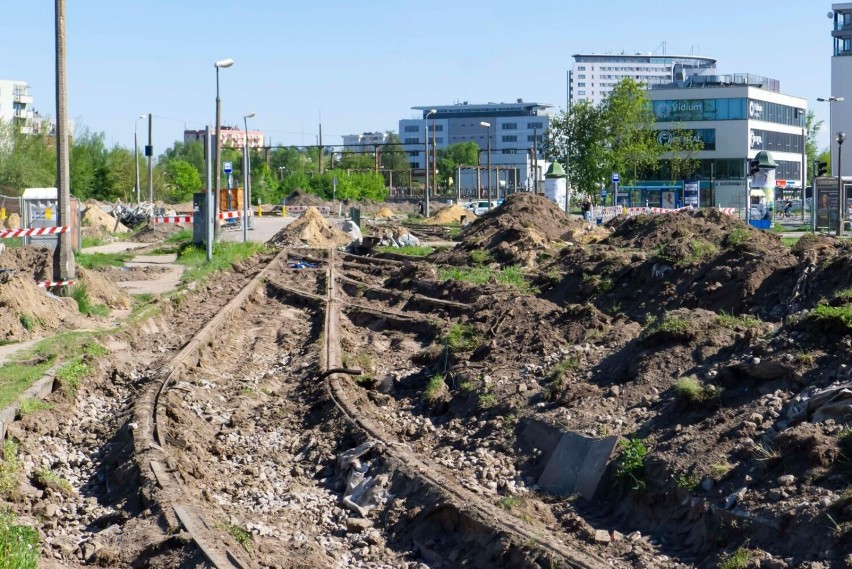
63,257
535,161
434,161
149,152
320,148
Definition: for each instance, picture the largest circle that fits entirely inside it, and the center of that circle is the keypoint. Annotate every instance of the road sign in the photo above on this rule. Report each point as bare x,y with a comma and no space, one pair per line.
615,177
228,167
603,193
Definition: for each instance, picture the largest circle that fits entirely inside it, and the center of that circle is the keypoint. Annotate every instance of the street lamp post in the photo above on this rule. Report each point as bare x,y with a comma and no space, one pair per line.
840,137
136,154
488,126
246,178
426,145
218,156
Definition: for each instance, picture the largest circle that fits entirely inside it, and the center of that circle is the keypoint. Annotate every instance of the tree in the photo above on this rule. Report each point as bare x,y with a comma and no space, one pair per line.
350,160
812,127
25,161
629,130
182,179
681,146
455,155
393,159
579,135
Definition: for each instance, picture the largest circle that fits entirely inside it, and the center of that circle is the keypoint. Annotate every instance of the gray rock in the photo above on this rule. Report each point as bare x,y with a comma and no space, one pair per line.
786,480
602,536
358,525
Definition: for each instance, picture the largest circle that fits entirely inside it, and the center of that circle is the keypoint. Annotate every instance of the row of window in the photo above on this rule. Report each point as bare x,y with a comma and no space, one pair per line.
730,169
727,109
438,140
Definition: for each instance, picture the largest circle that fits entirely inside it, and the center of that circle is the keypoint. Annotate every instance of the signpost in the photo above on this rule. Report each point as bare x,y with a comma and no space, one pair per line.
615,179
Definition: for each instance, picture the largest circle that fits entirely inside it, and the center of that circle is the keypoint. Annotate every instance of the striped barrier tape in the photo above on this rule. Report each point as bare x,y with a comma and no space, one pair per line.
233,214
173,219
7,233
50,284
299,209
729,211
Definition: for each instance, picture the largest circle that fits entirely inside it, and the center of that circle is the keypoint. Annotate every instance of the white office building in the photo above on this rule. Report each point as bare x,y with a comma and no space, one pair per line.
515,130
841,82
16,104
364,142
735,116
593,76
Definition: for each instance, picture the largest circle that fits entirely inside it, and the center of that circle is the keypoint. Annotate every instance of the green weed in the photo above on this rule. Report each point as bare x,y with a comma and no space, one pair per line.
72,373
687,481
225,255
240,535
30,405
80,293
739,559
509,502
30,322
737,238
410,250
514,277
631,462
47,478
743,321
720,470
101,260
182,236
674,327
10,468
554,380
19,545
481,257
487,400
840,316
462,338
691,389
789,241
435,388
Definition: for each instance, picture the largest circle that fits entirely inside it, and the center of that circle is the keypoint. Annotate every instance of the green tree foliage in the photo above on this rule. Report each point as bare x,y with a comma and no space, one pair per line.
25,161
350,160
617,136
393,156
455,155
812,128
681,153
182,179
191,152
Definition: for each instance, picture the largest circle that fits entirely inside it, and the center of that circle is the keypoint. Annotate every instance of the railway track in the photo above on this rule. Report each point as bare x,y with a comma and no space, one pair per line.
241,439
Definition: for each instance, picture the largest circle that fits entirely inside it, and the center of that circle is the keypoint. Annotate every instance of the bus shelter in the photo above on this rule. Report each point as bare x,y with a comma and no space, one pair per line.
668,196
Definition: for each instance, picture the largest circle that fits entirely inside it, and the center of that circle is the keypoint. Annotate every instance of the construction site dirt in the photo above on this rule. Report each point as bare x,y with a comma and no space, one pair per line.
665,391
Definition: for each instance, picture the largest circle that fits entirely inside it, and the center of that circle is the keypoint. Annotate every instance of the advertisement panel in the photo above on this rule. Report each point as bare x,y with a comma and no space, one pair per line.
690,193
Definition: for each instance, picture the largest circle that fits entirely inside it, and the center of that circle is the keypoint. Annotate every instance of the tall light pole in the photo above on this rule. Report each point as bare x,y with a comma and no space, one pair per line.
63,258
217,186
488,126
246,178
136,154
149,152
426,145
841,199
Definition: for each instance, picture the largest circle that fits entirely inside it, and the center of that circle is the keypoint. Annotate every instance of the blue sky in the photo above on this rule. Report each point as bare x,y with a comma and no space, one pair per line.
362,65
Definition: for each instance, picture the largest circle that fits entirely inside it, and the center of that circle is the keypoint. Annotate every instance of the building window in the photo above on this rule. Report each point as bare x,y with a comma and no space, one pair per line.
439,128
581,84
412,140
510,138
581,93
439,140
412,128
535,125
510,126
581,68
581,76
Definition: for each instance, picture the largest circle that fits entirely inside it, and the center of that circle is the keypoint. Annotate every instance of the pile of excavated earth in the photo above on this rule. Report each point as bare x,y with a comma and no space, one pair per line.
664,391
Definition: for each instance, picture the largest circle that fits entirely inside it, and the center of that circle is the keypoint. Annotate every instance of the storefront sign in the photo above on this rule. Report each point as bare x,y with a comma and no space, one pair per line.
690,193
755,140
706,136
755,110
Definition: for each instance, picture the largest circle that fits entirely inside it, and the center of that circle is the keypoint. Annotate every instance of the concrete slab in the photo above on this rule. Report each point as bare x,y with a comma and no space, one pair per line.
577,465
117,247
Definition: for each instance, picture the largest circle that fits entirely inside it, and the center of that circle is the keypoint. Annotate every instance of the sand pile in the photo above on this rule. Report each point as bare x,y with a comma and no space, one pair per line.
13,221
31,261
154,232
100,221
310,230
451,214
385,213
102,290
27,310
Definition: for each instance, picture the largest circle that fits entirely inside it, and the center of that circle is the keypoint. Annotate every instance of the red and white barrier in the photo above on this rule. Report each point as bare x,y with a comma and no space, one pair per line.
50,284
730,211
233,214
173,219
300,209
8,233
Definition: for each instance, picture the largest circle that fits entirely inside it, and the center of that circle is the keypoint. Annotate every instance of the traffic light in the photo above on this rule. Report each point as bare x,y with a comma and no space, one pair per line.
753,167
822,169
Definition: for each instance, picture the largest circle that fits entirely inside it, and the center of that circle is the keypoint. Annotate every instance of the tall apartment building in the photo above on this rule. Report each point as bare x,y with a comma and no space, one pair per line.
364,142
229,136
512,133
16,104
593,76
841,81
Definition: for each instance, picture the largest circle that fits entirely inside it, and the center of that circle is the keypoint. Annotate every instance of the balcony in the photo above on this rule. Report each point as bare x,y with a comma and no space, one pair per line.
23,99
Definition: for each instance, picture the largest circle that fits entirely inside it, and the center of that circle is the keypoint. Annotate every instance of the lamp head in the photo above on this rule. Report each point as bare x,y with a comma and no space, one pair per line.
224,63
141,116
840,137
249,116
838,99
485,124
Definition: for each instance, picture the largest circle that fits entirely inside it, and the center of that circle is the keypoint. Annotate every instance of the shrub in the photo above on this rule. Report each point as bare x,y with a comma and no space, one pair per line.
743,321
631,463
737,239
47,478
481,257
739,559
10,468
669,328
834,316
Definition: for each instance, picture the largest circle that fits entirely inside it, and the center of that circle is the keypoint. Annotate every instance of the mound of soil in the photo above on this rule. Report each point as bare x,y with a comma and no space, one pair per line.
310,230
385,212
154,232
450,214
27,310
301,197
100,221
34,262
101,290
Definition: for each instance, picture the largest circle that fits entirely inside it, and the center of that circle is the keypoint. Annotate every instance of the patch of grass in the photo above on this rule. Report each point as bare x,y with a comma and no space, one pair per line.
92,242
182,236
101,260
481,257
410,250
699,250
844,439
514,277
487,400
743,321
16,377
461,338
631,463
737,238
804,359
670,326
476,275
601,284
47,478
509,502
10,468
435,388
225,255
840,316
19,545
72,373
30,322
14,242
789,241
554,380
80,293
691,389
687,481
720,470
30,405
739,559
240,535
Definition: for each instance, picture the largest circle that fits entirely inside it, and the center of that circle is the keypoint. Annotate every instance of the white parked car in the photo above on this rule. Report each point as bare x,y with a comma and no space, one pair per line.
480,207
